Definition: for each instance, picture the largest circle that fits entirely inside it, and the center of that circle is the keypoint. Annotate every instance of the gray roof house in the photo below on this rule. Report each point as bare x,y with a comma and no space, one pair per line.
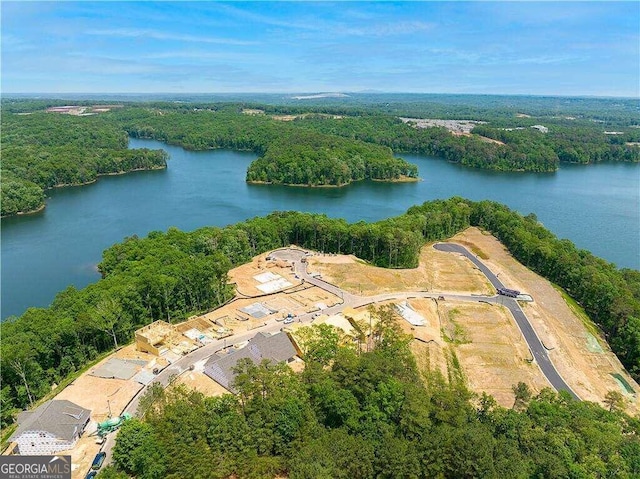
53,426
276,347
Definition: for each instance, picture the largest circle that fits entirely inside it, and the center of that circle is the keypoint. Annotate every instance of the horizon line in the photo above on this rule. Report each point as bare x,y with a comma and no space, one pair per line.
5,95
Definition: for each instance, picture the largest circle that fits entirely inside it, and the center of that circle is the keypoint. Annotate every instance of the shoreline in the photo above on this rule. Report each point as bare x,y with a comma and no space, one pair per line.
99,175
68,185
26,213
296,185
403,179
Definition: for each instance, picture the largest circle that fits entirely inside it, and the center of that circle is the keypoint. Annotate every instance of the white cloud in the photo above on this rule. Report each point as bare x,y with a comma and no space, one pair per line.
160,35
386,29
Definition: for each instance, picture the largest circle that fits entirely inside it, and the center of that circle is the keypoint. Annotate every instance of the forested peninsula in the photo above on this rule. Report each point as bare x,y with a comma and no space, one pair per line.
46,150
174,275
312,145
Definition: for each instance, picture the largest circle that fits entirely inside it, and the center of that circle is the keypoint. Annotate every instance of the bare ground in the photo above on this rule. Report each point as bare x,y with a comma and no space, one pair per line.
430,356
99,395
437,271
488,343
243,275
492,352
558,326
82,456
201,382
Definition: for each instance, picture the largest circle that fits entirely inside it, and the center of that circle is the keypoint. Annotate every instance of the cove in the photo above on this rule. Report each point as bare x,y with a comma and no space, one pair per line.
595,206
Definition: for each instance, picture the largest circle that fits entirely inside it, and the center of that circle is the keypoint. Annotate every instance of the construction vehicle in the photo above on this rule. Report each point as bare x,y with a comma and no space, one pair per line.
111,424
512,293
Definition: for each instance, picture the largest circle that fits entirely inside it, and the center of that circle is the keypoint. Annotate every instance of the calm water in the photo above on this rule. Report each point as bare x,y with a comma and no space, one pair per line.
596,206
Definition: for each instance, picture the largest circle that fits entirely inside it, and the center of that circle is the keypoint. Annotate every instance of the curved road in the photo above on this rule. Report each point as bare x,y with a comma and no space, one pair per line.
349,300
536,347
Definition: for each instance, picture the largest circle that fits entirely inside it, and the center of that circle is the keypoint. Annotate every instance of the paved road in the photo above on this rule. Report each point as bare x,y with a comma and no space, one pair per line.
295,256
536,347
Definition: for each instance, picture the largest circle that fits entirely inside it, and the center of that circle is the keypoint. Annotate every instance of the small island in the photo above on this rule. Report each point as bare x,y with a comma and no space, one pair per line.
312,159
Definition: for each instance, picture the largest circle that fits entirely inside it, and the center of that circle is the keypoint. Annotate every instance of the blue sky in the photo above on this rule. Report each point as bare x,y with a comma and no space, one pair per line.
548,48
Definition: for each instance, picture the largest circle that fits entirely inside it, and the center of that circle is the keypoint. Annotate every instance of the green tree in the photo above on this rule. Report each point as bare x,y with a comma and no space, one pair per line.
107,316
319,342
137,451
614,401
522,395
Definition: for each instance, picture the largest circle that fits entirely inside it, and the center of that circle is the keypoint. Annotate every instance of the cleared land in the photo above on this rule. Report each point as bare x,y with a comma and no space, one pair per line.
437,272
199,381
488,344
492,352
561,328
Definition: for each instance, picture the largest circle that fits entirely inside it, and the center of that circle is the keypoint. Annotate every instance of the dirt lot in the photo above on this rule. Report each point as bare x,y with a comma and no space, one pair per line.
98,395
492,352
243,275
297,299
428,309
82,456
559,327
302,300
486,340
437,271
430,356
200,382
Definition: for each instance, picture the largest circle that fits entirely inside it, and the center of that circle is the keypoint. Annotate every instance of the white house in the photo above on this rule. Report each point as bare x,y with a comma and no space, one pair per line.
52,427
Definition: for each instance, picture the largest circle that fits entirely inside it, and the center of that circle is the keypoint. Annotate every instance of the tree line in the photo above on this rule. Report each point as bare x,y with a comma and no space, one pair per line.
176,274
368,413
523,148
287,154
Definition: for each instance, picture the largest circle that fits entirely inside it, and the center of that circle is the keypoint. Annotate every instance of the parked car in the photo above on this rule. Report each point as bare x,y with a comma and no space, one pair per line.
91,474
98,460
288,320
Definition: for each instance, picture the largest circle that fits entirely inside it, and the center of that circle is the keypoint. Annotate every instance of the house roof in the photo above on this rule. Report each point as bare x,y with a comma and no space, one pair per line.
61,418
276,347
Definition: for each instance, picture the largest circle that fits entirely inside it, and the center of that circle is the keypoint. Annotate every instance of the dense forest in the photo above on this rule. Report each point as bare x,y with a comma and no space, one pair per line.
503,144
369,413
518,146
176,274
327,143
313,159
287,154
45,150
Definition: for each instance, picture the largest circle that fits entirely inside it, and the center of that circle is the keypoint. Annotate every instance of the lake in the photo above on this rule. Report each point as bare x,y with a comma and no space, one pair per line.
595,206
